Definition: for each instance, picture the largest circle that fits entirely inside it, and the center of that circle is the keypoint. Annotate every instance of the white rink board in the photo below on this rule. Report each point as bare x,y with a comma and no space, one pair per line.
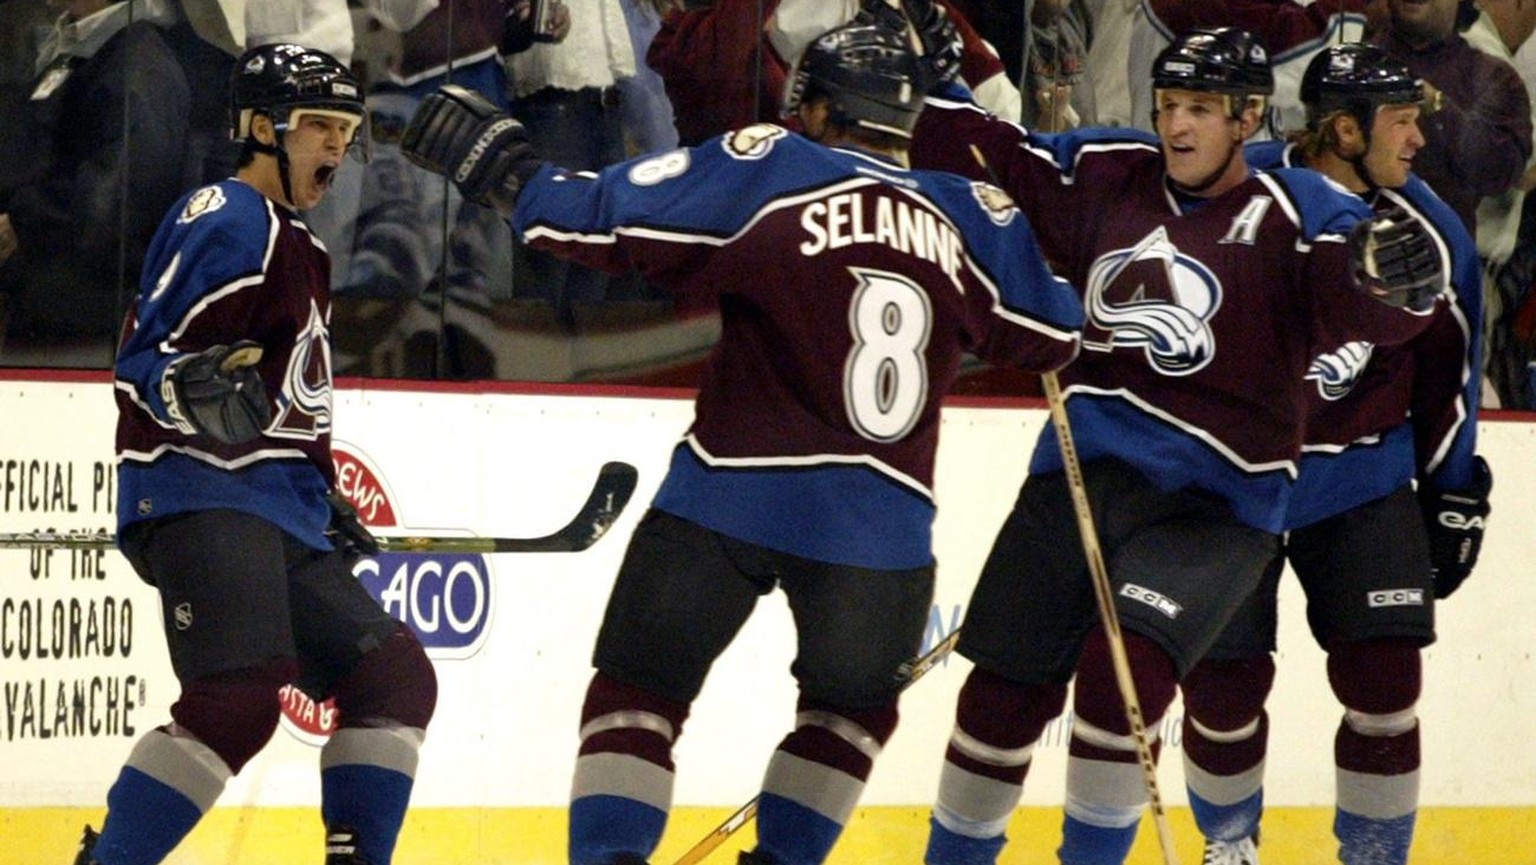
505,731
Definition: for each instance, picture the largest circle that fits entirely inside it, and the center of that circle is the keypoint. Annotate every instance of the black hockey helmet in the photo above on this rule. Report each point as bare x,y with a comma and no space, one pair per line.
1359,79
1215,60
869,73
277,79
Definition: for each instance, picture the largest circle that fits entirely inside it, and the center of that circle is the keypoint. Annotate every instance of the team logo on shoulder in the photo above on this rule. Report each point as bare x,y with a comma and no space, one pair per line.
753,142
1153,297
205,200
1338,371
997,204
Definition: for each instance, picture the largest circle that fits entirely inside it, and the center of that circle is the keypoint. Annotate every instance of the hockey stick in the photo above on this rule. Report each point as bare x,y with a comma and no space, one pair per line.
1103,592
615,484
910,672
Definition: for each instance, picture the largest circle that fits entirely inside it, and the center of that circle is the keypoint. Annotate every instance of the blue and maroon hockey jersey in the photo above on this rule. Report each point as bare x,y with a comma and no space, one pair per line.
1203,315
1381,415
228,264
849,289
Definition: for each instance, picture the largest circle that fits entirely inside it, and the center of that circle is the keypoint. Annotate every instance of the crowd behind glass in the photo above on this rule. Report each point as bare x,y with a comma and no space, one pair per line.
110,110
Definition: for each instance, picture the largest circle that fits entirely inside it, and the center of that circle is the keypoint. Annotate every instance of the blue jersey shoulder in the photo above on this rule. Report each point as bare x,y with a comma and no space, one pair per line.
215,235
1322,206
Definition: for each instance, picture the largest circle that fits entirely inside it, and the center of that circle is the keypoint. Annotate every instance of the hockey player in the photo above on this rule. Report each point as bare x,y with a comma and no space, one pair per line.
1378,417
849,286
225,470
1207,288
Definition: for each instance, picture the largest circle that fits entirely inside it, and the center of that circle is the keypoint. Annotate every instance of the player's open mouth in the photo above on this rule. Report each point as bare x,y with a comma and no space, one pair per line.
323,175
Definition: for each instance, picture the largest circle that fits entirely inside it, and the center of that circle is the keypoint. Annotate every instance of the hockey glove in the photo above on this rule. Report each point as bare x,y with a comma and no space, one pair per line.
346,531
458,133
218,393
939,45
1396,261
1455,520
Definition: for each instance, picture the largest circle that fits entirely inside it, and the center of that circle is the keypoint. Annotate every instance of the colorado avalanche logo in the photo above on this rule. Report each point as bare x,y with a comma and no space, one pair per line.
1336,372
1156,298
306,397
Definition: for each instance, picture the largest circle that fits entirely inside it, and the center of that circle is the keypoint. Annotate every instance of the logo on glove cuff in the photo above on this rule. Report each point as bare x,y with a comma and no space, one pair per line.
1459,522
472,158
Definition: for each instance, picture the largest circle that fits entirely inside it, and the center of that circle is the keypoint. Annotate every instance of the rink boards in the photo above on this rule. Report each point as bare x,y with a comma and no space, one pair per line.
83,669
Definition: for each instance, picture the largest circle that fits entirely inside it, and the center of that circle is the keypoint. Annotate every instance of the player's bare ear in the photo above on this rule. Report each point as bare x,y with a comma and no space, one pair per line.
263,131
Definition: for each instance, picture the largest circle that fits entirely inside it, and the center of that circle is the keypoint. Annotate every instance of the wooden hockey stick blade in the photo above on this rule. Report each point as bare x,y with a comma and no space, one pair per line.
615,485
909,672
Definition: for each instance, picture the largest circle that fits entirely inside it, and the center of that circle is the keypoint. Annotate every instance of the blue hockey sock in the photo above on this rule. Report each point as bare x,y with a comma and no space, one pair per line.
1086,844
952,848
603,826
1368,841
146,819
1232,822
793,834
369,799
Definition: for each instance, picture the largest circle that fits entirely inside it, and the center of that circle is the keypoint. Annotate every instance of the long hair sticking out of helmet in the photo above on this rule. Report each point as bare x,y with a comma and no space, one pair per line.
282,80
1358,80
1222,60
869,74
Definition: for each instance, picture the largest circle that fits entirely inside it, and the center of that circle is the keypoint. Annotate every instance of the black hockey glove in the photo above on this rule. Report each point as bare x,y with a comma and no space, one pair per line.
1396,261
458,133
346,531
941,46
218,393
1455,520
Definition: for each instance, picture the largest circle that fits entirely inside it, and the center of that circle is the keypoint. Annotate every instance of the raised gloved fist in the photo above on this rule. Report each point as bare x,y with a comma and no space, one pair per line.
1396,260
460,134
1455,520
937,42
218,393
346,531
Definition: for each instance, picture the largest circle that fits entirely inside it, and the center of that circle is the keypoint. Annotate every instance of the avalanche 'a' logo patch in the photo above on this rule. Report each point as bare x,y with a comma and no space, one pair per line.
1153,297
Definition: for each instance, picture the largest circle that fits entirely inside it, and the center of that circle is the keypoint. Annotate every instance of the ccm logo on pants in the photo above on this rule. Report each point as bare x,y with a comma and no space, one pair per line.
1395,598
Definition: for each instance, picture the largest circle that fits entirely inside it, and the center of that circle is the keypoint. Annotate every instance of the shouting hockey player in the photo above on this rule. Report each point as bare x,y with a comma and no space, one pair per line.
227,503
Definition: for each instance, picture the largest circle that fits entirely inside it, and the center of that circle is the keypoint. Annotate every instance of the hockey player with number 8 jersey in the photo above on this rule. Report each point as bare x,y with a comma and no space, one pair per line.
849,289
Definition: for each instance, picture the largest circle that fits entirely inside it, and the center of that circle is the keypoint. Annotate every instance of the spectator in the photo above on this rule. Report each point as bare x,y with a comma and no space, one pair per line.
1290,31
567,96
1477,122
387,232
324,25
1503,31
704,37
809,465
107,116
648,123
1378,417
